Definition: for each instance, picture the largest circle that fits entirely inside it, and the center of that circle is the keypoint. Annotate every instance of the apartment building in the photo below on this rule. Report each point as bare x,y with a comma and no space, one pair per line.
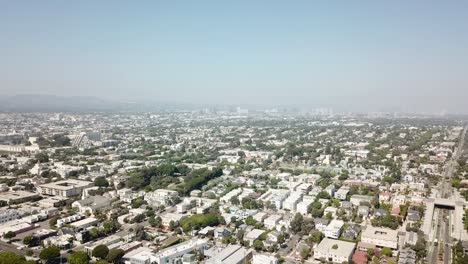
65,188
381,237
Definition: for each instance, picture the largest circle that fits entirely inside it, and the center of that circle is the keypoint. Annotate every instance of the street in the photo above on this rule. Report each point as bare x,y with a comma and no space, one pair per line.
439,245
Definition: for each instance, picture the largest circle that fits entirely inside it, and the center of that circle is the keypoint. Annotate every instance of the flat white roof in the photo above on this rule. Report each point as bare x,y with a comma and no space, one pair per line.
66,184
342,248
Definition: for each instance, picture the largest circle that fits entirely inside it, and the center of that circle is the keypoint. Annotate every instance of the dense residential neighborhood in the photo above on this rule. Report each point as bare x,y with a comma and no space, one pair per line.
232,187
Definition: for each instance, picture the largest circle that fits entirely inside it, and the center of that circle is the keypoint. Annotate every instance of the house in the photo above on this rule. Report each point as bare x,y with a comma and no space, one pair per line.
356,199
407,256
342,193
92,204
330,190
334,229
261,258
220,232
346,205
410,238
321,224
398,200
330,210
228,255
272,221
385,197
273,236
352,232
303,207
253,235
380,212
408,178
161,197
413,216
360,257
260,216
363,210
334,251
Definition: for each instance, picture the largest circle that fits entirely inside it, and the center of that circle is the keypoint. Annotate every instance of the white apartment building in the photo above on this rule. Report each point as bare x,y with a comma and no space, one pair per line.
334,229
291,202
342,193
168,255
303,207
381,237
227,197
264,259
8,215
65,188
335,251
357,199
272,221
161,196
275,197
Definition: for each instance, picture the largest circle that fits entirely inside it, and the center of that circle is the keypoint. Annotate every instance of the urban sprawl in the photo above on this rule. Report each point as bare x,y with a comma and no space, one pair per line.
232,187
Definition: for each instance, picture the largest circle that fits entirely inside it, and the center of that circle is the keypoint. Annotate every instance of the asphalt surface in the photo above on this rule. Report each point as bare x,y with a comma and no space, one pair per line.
442,220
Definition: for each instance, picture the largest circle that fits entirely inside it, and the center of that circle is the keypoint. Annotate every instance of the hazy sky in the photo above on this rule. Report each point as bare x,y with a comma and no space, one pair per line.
366,55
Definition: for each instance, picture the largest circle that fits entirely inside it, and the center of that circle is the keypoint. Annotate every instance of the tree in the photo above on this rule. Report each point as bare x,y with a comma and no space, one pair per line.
316,237
110,227
101,182
11,258
60,141
386,252
140,233
138,202
229,239
139,218
9,235
370,253
31,241
296,223
305,253
53,221
50,254
155,221
250,221
100,251
42,157
258,245
78,257
115,255
198,221
234,200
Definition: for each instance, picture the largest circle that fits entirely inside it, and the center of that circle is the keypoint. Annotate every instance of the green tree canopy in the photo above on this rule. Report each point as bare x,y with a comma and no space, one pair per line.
101,182
100,252
115,255
78,257
386,252
50,254
9,235
12,258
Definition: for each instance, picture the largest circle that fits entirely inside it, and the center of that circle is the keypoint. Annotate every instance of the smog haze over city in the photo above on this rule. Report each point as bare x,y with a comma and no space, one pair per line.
366,56
233,132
